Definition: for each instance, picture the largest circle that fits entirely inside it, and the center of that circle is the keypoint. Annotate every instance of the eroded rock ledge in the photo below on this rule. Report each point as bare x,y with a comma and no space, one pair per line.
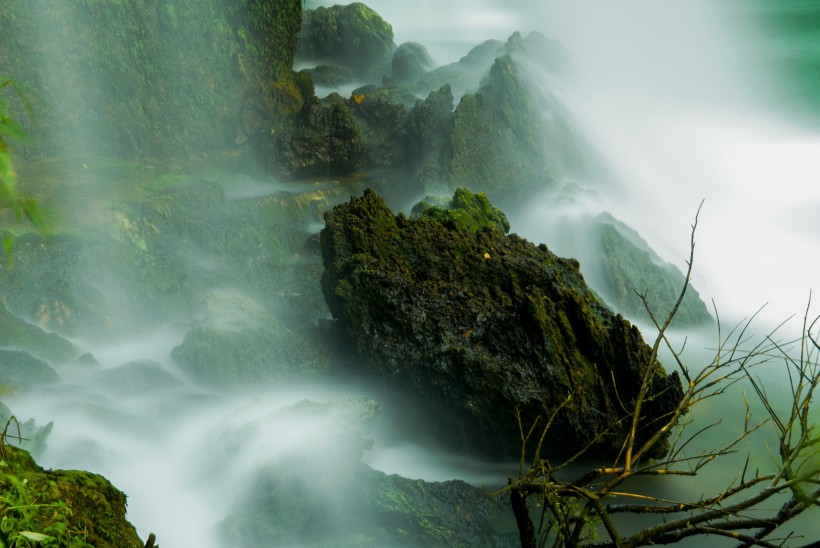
471,323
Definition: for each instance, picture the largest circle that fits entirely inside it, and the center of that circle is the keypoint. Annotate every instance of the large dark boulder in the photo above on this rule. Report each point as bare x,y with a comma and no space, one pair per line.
471,324
352,36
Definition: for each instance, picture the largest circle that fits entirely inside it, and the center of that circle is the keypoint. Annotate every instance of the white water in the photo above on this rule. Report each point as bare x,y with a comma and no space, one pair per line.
663,95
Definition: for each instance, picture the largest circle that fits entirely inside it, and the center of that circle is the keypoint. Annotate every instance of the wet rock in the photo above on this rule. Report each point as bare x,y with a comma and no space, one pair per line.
429,125
469,324
324,139
352,36
410,61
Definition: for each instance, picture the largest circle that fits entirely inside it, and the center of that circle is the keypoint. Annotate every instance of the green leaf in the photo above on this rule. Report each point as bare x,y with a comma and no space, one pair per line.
37,537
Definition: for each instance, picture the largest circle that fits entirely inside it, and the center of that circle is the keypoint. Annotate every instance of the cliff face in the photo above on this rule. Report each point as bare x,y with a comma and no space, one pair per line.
148,78
472,324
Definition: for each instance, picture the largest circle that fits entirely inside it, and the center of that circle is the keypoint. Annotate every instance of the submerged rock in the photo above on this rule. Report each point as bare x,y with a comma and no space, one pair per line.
470,325
68,505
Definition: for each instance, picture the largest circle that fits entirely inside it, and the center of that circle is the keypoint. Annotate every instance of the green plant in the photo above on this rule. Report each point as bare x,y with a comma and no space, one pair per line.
22,206
25,520
749,508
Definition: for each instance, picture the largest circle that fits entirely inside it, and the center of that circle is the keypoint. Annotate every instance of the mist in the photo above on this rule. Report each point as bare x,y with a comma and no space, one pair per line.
679,103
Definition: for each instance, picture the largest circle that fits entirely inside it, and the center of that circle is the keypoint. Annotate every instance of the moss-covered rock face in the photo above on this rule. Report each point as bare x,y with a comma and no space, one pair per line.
153,79
471,324
466,212
74,508
352,36
324,139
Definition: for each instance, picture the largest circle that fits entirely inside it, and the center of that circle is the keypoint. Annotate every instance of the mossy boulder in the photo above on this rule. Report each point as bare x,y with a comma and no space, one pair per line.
466,212
73,507
352,36
470,324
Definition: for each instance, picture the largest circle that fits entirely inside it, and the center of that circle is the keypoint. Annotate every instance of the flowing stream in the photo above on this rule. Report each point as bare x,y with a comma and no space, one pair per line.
682,100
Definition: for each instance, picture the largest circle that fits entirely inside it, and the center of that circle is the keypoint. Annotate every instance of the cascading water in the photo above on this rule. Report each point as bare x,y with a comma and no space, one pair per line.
674,100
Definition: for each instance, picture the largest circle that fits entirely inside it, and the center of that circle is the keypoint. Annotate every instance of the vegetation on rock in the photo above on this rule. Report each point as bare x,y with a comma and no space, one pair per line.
59,508
476,324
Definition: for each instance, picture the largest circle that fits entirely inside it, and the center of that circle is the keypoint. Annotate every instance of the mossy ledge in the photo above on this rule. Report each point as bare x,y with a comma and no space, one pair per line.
468,324
74,507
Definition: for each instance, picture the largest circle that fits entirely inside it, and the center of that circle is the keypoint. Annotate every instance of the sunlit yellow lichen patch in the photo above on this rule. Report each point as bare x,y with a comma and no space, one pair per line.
358,98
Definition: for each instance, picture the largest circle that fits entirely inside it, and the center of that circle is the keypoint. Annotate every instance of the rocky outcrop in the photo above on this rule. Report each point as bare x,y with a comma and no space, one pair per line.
353,36
471,324
324,139
66,506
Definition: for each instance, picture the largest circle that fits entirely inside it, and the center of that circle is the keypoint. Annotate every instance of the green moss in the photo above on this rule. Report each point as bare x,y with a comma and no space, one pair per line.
77,509
468,212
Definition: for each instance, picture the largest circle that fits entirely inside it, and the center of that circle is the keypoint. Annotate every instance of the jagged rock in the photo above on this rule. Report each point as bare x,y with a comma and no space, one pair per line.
317,492
472,324
20,370
513,135
69,505
410,61
324,140
429,125
352,36
465,74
